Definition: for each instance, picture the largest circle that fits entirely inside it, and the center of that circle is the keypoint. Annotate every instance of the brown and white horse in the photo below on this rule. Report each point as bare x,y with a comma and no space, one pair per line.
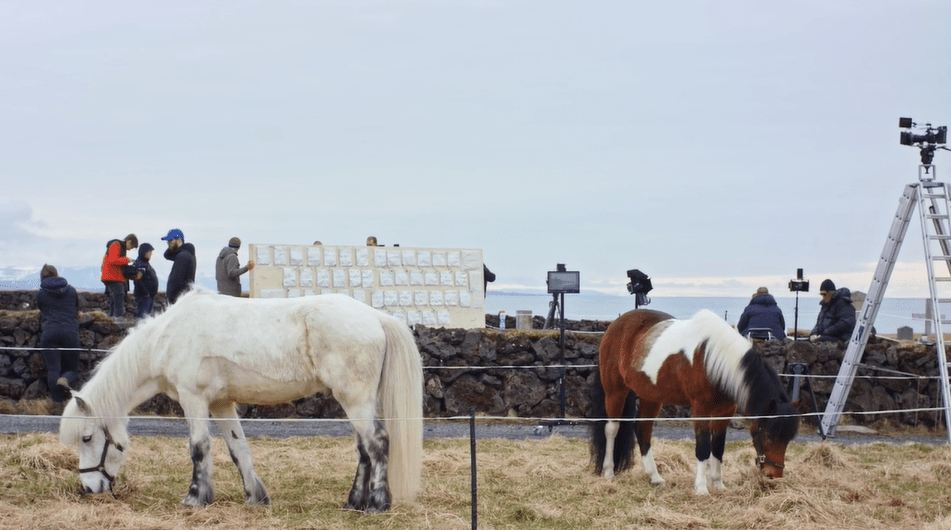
703,363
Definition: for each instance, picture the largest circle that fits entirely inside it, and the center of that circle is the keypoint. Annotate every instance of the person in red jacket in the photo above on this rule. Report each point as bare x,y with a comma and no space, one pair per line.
116,283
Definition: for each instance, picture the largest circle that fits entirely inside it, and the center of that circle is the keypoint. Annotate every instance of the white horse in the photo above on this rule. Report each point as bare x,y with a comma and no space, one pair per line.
209,351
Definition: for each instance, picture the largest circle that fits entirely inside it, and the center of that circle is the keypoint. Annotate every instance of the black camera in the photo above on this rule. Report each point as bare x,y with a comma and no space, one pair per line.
799,285
640,283
932,135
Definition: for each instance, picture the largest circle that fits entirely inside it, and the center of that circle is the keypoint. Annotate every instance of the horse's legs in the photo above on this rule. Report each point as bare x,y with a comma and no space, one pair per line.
702,431
371,490
201,491
231,431
610,433
717,446
644,430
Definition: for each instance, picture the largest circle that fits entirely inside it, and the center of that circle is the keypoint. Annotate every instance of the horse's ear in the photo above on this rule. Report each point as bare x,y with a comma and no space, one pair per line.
83,406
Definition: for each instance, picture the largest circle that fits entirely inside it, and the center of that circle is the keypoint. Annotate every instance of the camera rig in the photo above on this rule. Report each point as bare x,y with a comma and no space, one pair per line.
927,142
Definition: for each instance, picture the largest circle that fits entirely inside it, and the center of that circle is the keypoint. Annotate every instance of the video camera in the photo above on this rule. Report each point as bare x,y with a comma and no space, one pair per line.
932,138
932,135
799,285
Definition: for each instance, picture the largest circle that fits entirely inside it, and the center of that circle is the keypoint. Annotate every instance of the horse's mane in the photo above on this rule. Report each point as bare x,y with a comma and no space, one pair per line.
737,370
724,351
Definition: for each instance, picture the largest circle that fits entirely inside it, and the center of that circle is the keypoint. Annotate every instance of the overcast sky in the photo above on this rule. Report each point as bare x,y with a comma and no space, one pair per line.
717,146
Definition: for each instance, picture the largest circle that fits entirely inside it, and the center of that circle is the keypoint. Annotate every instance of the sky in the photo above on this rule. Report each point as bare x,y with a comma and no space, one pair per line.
716,146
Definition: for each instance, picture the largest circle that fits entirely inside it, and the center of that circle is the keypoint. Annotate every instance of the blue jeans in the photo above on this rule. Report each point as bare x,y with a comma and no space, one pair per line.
143,306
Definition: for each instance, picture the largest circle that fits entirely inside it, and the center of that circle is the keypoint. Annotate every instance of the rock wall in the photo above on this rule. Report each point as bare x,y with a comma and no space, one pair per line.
510,373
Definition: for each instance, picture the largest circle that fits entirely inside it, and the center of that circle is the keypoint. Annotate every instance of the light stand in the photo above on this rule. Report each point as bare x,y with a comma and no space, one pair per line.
560,281
797,286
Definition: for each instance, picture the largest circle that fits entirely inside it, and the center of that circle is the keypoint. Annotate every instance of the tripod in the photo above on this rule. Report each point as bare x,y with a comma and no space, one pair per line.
553,309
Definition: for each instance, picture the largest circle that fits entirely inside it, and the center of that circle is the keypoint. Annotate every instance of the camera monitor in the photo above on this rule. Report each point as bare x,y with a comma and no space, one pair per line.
564,282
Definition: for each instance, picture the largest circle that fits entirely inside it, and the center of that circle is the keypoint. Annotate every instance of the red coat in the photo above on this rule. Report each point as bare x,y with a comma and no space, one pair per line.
113,262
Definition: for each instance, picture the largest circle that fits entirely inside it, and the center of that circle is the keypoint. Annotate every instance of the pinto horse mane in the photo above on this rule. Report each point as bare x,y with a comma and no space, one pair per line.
735,369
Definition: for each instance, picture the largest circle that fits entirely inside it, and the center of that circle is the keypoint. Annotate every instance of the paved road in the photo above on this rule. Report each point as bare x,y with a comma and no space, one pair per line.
440,428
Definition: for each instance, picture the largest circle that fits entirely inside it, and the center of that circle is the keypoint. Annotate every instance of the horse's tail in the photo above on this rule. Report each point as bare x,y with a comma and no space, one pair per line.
623,442
401,391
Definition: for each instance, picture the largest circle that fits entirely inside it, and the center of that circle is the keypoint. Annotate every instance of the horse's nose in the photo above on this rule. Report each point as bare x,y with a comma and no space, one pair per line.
772,471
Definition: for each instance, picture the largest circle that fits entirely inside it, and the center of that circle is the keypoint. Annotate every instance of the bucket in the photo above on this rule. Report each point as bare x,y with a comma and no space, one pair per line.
523,319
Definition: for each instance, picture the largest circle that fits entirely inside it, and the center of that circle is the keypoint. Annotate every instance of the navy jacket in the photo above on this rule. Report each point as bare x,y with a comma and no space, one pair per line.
837,318
59,310
147,285
762,312
183,271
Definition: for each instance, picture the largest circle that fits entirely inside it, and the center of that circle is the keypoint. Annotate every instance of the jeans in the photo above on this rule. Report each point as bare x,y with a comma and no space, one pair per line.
143,306
115,292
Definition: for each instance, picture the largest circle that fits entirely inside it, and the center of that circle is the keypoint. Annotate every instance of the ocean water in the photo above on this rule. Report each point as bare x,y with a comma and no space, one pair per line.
893,314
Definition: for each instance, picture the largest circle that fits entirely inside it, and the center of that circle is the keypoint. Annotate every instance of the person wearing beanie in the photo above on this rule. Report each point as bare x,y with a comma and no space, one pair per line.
836,315
762,313
59,324
182,256
146,282
228,270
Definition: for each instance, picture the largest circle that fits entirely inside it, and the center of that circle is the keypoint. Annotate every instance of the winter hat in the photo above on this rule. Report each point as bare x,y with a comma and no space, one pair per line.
827,286
234,242
761,290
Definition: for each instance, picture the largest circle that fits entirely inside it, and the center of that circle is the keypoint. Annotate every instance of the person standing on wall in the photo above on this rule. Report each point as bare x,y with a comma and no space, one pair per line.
182,256
117,285
836,315
59,324
145,283
228,270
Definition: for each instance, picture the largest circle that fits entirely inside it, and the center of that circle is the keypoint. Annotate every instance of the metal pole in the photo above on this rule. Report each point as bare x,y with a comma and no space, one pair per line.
474,482
562,391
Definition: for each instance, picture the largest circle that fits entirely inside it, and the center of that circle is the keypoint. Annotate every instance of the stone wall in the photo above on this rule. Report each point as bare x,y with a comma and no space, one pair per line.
509,373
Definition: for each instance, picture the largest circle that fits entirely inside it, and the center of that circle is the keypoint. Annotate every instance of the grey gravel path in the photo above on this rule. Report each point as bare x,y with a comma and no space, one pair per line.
441,428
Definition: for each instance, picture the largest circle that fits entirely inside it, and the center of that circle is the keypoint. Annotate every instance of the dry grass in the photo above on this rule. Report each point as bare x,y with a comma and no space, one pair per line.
544,483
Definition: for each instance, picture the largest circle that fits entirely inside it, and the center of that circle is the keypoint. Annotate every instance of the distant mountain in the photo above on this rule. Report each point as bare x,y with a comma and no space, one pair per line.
83,279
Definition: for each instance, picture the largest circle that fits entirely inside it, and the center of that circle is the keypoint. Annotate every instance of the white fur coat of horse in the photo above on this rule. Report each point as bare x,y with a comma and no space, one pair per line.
210,351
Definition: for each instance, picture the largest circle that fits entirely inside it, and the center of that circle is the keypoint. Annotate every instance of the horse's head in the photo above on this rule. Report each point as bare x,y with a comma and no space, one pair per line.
771,435
101,449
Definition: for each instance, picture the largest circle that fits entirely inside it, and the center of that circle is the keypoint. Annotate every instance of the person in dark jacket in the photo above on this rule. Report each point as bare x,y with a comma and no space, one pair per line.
59,324
228,270
146,282
112,276
182,256
836,315
487,277
762,312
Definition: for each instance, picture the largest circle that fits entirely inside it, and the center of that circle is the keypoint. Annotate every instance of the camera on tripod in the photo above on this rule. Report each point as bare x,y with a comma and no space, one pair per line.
799,285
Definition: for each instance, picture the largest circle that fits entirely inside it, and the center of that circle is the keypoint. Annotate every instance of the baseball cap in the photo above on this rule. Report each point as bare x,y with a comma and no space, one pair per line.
174,234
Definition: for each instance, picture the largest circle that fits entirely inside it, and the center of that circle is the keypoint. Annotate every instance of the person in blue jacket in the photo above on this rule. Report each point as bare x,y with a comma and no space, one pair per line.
59,324
762,312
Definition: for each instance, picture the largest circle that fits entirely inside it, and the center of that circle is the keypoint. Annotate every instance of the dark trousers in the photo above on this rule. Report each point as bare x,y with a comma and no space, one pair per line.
60,363
143,306
115,292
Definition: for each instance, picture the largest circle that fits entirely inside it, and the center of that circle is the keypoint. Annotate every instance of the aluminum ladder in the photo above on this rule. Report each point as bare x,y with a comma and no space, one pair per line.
934,211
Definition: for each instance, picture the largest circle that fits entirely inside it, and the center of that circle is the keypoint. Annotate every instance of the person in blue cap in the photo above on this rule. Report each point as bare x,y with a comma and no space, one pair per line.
182,256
